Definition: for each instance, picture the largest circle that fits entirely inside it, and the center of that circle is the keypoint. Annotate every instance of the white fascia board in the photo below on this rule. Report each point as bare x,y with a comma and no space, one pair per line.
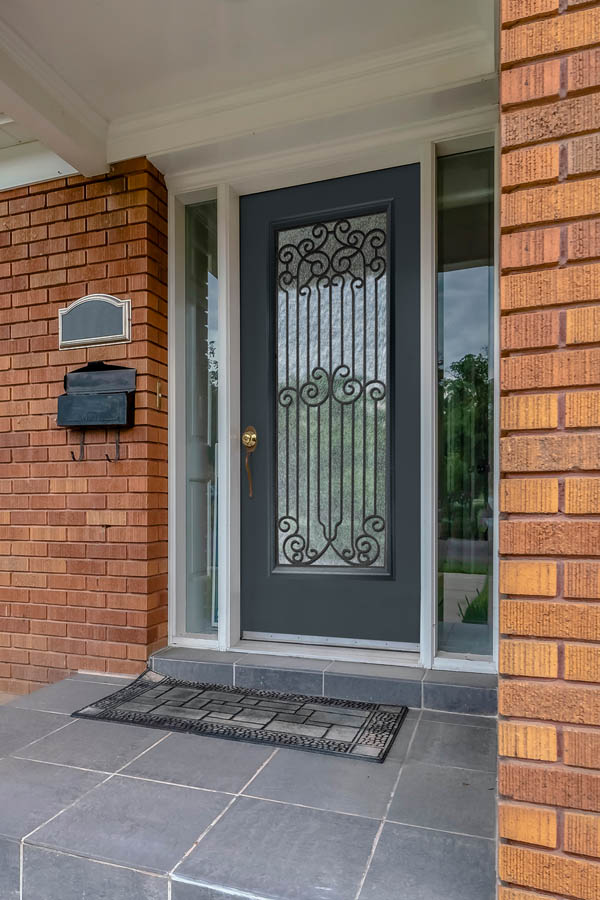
29,163
456,58
35,96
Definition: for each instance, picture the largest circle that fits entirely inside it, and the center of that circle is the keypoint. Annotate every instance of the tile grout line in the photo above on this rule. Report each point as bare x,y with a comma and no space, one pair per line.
69,806
384,819
31,743
477,837
222,813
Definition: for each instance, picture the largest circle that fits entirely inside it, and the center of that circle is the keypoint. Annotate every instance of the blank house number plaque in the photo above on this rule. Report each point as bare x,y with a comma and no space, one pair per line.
92,320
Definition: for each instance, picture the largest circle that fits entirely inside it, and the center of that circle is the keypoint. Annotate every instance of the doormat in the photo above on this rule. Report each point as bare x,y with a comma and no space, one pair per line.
342,727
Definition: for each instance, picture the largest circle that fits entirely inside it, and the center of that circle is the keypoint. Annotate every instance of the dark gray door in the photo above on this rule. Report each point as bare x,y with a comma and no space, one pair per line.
330,381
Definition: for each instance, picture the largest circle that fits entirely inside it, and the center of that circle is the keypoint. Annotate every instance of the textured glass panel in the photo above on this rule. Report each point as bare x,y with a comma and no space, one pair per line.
332,393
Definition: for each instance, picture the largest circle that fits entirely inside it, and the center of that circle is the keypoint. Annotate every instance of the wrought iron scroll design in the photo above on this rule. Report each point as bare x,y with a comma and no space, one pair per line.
332,393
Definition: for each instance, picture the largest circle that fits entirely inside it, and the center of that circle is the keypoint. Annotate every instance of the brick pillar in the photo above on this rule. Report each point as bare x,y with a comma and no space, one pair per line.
82,544
549,770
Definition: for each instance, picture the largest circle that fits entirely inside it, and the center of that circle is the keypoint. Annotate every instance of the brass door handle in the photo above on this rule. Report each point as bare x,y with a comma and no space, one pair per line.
249,441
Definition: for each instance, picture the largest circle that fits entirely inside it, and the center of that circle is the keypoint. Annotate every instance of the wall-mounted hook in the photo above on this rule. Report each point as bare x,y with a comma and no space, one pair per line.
81,443
117,448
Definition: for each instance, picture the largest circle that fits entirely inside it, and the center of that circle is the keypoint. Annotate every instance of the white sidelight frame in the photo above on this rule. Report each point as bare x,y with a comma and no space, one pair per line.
228,184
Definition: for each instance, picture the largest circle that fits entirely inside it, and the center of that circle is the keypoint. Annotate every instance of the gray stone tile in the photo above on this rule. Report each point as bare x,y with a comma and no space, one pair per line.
419,864
432,715
105,746
327,782
283,852
201,762
402,741
142,824
446,799
266,661
191,655
118,680
460,698
374,690
292,681
18,727
454,745
56,876
372,670
66,696
31,792
182,890
468,679
9,870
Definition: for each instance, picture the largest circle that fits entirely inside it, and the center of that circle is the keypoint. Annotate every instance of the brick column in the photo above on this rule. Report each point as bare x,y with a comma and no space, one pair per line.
550,451
82,544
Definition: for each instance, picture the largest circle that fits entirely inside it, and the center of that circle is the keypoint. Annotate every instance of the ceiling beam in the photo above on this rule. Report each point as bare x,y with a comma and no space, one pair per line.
36,97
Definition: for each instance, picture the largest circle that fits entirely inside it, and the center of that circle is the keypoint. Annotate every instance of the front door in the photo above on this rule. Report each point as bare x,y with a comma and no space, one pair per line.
330,379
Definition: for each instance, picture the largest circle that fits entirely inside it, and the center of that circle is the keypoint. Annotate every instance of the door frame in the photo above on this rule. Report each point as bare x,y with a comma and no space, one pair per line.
422,144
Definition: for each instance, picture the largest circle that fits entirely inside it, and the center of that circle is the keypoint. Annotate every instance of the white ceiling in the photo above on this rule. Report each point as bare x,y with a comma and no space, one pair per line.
130,56
100,80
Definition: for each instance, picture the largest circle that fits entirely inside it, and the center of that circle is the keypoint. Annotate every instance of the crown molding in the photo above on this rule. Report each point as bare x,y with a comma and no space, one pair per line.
454,58
33,94
331,159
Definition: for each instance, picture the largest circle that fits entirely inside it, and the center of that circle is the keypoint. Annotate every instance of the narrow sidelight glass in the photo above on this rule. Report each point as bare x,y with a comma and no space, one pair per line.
202,373
465,341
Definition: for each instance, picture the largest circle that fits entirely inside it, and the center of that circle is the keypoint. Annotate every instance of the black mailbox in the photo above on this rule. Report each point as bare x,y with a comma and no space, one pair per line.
98,396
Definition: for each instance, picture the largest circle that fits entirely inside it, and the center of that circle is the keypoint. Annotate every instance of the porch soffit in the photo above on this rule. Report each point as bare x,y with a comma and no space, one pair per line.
81,121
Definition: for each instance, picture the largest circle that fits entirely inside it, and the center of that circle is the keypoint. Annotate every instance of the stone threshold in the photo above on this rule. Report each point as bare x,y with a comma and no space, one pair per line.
456,692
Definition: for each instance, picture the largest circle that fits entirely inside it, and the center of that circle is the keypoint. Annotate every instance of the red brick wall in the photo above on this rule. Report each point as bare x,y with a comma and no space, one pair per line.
83,545
549,772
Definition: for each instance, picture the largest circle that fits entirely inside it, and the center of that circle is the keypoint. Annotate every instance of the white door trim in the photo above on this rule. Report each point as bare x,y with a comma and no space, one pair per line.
248,177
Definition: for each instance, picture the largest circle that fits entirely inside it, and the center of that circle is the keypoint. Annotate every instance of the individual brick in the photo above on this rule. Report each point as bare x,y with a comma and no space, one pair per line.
530,248
510,893
535,82
534,659
549,36
528,824
564,368
581,748
583,239
536,618
582,409
550,287
583,325
550,121
549,872
529,495
524,741
528,578
513,10
554,537
529,412
582,580
583,70
528,331
582,496
582,662
582,834
550,785
551,202
550,453
530,165
583,154
549,701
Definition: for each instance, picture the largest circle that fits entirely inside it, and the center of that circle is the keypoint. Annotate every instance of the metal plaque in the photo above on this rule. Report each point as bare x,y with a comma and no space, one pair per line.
92,320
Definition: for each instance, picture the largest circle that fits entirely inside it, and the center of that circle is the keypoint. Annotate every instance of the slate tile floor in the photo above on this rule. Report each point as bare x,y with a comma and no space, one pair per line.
135,814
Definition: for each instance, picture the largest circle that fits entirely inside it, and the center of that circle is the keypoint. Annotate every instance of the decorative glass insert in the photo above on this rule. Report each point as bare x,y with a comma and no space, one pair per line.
332,469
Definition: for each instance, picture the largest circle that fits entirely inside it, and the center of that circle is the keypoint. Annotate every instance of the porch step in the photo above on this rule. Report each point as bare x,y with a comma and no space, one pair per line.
457,692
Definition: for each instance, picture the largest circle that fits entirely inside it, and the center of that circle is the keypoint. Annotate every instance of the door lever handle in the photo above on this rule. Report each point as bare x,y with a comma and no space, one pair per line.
249,441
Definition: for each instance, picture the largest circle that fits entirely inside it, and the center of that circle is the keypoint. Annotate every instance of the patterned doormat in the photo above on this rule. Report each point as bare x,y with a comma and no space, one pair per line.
343,727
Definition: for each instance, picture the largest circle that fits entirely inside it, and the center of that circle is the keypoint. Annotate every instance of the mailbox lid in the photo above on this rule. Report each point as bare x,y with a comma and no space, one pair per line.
96,410
98,377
